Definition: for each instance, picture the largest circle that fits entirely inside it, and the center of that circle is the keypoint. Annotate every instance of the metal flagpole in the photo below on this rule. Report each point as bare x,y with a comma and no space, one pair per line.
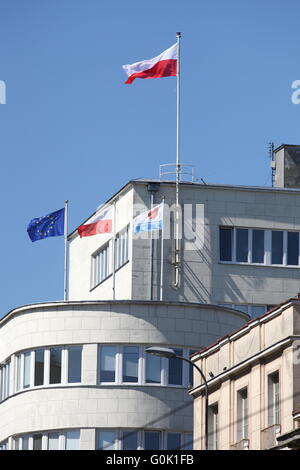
162,253
114,253
66,252
178,170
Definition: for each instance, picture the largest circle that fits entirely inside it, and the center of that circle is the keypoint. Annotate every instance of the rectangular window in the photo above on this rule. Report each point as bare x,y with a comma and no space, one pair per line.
55,365
188,442
74,364
53,441
37,441
242,245
258,246
130,363
175,369
226,240
72,440
277,247
26,375
257,310
173,441
213,427
121,247
18,372
106,440
153,369
242,414
293,248
39,367
107,363
25,443
152,440
101,268
130,440
273,399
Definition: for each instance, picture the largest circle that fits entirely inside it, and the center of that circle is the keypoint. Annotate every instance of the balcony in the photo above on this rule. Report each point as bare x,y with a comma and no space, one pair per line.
269,436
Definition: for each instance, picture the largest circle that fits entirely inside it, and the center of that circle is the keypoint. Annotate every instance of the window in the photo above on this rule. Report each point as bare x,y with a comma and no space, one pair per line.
121,247
3,445
153,369
213,427
242,414
55,365
152,440
54,440
226,239
191,368
259,246
173,441
106,440
130,364
250,309
273,399
107,363
4,381
130,440
74,361
175,369
100,265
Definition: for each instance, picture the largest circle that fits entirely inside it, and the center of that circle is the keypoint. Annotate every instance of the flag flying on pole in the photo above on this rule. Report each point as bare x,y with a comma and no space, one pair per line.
51,225
163,65
99,223
149,220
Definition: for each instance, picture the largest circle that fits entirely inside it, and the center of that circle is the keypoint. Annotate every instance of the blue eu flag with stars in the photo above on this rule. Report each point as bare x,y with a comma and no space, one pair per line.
51,225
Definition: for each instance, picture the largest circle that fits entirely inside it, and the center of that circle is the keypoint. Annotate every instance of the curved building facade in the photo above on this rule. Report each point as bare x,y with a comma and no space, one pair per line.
74,375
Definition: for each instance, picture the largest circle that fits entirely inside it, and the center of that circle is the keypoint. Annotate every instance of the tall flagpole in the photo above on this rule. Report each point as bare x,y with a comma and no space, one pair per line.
162,254
178,169
66,252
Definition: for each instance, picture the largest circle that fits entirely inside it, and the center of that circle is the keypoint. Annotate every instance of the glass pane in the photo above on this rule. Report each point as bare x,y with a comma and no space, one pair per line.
130,440
277,247
106,440
191,368
153,369
55,365
72,440
18,373
39,367
25,443
242,245
293,248
226,244
37,442
152,440
175,369
258,310
74,364
258,246
188,442
130,363
53,441
107,363
173,441
26,380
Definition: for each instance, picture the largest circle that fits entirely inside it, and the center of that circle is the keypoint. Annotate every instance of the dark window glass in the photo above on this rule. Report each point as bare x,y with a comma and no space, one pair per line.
175,369
27,363
37,442
293,248
39,367
130,363
25,443
173,441
242,245
107,363
130,440
277,247
152,439
153,369
226,244
191,369
55,365
258,246
74,364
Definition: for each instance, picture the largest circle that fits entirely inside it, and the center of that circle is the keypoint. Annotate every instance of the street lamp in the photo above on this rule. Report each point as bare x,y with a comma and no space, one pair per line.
170,353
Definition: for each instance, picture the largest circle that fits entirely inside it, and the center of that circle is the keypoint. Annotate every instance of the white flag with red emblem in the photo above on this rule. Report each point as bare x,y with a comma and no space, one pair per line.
149,220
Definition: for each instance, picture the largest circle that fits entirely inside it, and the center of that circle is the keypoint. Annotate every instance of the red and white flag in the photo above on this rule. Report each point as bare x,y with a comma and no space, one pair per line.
99,223
164,65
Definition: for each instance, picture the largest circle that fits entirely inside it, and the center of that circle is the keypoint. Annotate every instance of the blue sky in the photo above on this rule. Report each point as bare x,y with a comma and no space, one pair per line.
71,129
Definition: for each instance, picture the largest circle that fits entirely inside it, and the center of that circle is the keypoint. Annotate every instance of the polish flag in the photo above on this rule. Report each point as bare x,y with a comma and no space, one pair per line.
164,65
99,223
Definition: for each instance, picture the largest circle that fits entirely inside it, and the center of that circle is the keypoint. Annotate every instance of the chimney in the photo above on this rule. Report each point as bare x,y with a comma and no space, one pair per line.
286,165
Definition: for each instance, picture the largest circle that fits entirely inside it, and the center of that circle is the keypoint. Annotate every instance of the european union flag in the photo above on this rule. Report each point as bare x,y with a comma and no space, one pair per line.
51,225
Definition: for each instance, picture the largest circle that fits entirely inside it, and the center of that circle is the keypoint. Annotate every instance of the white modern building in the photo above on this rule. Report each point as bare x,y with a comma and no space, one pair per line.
74,374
